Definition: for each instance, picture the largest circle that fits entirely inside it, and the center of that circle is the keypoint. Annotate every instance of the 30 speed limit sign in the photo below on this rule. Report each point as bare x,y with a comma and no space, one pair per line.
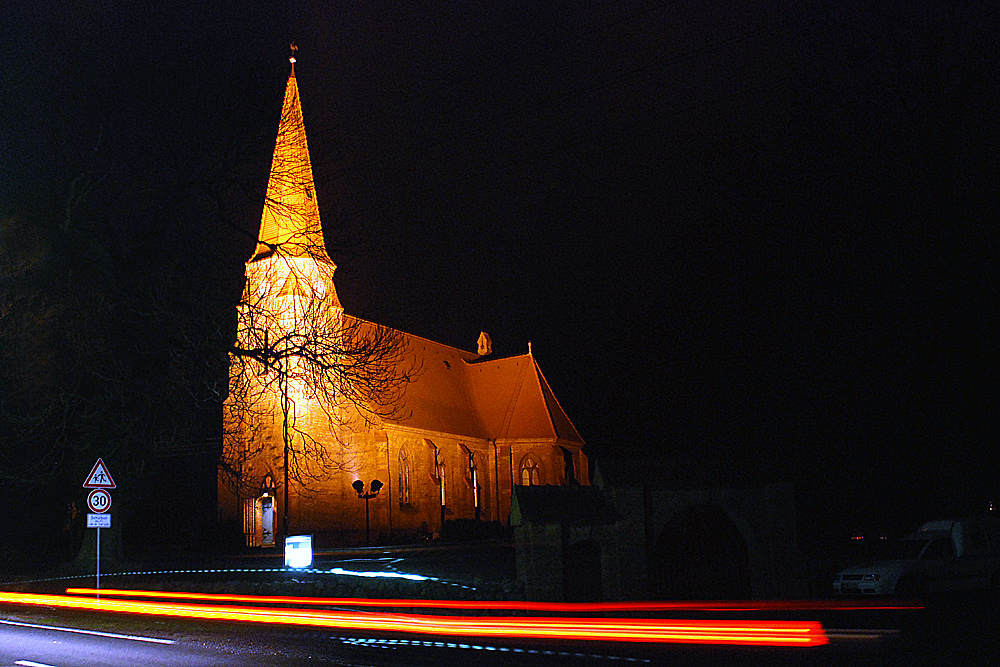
99,501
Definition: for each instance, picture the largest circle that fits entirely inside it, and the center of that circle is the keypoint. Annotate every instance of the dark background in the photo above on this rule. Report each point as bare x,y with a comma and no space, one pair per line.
748,243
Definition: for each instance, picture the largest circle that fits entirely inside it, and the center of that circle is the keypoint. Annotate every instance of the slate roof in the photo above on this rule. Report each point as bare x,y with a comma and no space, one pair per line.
460,393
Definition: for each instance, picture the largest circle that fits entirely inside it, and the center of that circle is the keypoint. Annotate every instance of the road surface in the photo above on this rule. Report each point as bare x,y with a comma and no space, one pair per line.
948,634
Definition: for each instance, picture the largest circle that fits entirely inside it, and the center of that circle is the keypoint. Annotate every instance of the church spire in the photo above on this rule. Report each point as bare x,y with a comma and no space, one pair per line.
290,225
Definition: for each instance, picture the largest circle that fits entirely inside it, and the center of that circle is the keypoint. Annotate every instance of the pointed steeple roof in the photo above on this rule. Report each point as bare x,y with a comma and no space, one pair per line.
291,224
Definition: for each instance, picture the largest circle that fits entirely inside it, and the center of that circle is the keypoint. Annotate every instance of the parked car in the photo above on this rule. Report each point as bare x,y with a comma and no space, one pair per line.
944,555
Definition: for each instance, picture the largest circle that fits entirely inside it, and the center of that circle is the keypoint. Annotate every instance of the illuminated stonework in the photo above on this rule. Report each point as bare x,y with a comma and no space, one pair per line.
319,399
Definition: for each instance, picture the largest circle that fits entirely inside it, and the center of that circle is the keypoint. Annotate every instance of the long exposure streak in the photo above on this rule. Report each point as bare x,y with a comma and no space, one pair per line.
520,605
760,633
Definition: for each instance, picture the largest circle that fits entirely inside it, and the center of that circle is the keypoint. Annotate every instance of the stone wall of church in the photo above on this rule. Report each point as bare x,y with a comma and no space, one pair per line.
477,478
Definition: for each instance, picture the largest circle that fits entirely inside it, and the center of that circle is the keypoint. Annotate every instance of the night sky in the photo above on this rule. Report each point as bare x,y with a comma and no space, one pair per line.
755,242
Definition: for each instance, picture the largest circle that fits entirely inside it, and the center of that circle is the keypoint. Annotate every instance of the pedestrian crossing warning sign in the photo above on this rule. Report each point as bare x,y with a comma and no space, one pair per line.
99,477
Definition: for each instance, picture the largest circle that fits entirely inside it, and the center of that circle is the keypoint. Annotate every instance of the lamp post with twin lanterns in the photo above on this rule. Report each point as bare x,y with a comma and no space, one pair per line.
373,490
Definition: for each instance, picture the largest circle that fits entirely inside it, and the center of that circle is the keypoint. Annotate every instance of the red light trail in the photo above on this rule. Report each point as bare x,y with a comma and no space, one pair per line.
519,605
732,632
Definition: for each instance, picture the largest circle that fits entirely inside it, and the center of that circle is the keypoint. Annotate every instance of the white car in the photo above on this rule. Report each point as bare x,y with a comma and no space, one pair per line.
947,555
914,554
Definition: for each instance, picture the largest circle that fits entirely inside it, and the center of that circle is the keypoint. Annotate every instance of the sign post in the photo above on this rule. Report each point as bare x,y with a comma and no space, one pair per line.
99,502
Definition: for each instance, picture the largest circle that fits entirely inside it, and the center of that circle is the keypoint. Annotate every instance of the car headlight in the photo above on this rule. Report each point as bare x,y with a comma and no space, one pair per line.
871,577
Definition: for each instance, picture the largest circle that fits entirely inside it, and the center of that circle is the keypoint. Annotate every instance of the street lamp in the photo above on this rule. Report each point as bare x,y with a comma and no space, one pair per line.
374,488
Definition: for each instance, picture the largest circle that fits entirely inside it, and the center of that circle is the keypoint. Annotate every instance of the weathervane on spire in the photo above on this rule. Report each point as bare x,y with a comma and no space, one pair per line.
295,49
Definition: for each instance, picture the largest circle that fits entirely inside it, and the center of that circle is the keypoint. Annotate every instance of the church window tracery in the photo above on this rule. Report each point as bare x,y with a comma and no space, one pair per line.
530,474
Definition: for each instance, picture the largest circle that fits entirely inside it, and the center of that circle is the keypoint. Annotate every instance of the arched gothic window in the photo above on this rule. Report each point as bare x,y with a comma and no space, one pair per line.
438,472
472,478
403,488
530,474
569,467
441,477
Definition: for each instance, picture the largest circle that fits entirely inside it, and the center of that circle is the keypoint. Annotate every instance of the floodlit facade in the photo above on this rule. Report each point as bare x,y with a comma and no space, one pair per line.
320,400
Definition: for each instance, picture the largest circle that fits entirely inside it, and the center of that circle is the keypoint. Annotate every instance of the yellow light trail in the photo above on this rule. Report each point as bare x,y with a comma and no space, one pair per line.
520,605
756,633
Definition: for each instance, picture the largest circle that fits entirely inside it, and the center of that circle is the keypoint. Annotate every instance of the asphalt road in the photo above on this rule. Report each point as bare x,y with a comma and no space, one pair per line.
954,633
74,641
60,638
31,644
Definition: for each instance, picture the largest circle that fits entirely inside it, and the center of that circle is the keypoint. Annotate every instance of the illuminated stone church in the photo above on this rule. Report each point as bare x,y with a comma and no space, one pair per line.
449,433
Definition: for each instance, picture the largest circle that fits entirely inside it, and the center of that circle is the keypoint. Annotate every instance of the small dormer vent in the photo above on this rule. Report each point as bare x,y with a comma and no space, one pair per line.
485,344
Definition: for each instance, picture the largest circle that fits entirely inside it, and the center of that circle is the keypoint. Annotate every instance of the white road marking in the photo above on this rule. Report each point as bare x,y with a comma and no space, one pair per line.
111,635
373,642
29,663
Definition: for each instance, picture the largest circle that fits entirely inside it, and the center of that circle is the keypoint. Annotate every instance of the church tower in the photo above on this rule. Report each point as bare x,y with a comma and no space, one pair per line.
289,302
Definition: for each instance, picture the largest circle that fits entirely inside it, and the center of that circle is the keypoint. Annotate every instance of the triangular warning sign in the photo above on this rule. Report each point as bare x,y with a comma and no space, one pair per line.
99,477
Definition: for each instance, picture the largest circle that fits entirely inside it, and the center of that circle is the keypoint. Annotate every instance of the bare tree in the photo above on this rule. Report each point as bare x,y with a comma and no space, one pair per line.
299,358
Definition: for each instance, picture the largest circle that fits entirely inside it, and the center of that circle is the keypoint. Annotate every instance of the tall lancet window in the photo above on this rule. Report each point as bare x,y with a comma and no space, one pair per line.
440,474
474,482
404,478
569,468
